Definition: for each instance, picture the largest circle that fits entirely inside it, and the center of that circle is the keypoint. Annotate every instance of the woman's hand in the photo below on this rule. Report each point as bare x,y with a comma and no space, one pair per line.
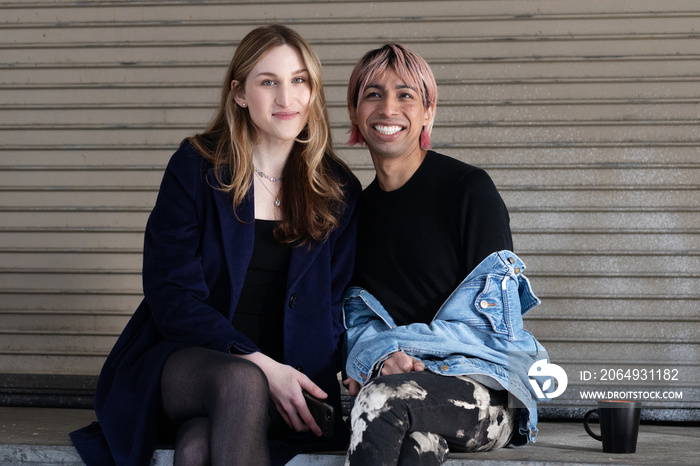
286,385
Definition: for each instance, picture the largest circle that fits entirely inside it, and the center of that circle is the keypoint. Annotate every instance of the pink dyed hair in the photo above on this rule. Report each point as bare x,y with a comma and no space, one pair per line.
409,66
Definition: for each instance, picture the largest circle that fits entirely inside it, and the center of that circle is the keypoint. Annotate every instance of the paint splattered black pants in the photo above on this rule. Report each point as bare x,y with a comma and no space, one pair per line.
417,417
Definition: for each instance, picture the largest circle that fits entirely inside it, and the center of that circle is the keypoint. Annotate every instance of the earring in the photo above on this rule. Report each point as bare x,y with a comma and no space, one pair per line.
244,105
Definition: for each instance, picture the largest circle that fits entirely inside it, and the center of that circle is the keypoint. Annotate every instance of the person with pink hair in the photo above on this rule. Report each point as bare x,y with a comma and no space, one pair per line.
426,221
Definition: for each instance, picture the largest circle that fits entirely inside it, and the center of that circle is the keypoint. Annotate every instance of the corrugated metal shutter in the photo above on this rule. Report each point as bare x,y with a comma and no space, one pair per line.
584,113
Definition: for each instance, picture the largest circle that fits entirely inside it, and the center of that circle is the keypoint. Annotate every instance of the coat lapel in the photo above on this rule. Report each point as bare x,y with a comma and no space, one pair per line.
238,235
239,249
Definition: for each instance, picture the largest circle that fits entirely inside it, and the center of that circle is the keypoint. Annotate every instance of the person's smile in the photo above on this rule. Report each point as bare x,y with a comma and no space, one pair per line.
388,130
391,116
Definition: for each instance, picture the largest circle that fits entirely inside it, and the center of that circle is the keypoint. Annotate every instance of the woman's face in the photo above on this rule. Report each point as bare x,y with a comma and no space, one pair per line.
277,93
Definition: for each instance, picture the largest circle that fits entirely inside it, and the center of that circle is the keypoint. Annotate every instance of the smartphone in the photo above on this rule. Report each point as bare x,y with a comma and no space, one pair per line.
323,413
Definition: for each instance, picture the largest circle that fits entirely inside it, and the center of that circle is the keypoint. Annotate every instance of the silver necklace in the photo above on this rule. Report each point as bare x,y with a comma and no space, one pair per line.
262,175
277,199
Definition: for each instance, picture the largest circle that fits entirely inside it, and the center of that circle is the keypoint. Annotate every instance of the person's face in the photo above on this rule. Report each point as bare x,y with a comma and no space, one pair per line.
390,115
277,93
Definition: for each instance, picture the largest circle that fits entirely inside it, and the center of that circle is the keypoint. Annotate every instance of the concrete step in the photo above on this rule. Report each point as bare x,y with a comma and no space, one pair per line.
39,437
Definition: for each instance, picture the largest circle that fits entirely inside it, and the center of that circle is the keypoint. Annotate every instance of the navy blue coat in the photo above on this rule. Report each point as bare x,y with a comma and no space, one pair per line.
196,255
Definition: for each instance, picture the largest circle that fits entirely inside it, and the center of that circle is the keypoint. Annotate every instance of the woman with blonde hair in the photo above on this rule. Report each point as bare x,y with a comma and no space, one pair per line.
247,253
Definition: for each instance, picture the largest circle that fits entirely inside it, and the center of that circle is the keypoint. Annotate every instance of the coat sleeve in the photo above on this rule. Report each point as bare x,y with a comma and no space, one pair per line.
343,256
173,277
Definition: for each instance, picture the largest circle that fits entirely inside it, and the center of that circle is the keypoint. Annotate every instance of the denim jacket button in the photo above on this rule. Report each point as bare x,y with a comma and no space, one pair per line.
511,259
444,368
484,304
517,270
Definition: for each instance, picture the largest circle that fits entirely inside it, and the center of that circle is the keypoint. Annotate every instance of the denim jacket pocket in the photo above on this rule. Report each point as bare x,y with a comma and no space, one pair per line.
491,303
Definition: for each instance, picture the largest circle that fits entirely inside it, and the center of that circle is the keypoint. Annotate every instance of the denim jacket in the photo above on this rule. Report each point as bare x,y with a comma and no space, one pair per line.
477,332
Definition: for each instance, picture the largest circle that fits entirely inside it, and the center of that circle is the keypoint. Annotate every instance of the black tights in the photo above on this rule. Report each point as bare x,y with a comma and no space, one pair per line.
220,403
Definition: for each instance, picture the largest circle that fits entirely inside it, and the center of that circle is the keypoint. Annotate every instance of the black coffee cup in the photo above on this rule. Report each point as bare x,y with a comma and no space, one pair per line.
619,425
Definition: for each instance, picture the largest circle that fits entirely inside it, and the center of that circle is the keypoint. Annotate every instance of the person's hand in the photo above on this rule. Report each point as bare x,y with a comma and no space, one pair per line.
286,385
400,363
353,386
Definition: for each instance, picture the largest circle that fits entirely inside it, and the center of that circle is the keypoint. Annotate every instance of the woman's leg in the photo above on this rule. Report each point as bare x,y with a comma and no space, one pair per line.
469,416
220,402
192,443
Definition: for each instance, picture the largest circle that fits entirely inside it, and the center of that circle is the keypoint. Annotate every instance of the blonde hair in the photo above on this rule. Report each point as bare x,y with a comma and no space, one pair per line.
312,196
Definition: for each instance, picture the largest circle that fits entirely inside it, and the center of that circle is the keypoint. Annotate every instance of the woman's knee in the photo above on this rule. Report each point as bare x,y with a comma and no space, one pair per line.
239,379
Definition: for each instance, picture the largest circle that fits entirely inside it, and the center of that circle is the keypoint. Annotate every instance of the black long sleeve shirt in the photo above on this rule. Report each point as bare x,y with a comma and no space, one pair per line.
417,243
